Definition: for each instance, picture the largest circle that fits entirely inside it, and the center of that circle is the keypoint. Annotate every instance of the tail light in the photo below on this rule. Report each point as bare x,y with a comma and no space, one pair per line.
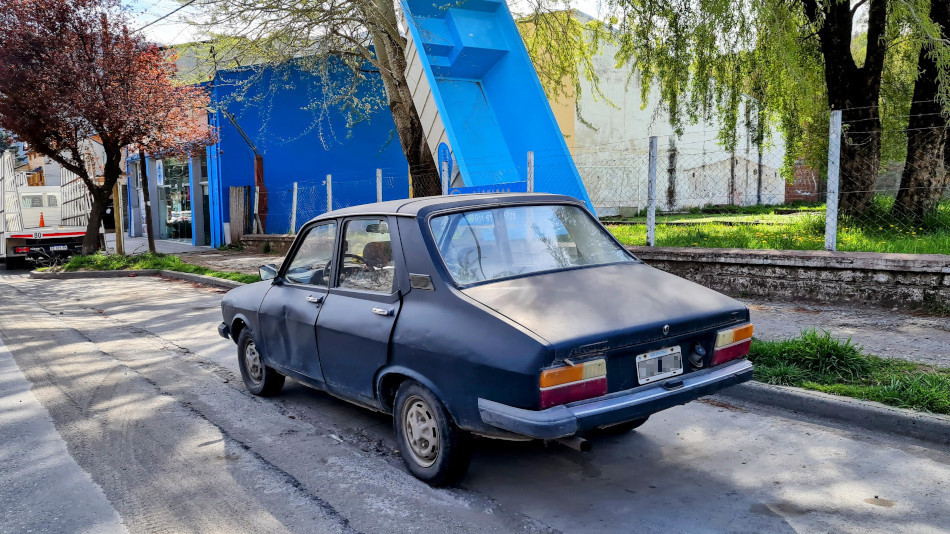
570,383
21,250
732,344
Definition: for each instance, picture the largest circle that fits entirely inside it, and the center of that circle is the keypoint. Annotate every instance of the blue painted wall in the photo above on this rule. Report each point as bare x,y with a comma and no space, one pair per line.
489,96
300,142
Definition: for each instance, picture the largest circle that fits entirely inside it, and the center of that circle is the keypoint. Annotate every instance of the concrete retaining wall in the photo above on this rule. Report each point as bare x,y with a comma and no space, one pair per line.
264,243
903,280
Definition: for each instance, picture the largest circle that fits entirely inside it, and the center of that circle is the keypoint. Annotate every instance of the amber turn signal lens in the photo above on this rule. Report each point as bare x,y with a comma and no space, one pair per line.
573,373
733,335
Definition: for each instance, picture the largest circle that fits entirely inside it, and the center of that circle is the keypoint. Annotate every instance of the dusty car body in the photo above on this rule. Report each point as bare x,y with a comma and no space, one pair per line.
512,316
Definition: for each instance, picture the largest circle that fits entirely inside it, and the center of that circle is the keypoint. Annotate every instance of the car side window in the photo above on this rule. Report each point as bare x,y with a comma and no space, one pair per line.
367,261
313,261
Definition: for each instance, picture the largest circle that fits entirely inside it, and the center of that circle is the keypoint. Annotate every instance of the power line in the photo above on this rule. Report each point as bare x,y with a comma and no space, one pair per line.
163,17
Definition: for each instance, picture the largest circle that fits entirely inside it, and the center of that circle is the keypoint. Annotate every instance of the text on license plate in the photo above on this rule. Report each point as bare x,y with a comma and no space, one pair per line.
659,364
58,247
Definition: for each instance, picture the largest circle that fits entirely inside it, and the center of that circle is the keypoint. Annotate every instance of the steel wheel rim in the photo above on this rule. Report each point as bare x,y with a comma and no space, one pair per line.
252,362
420,431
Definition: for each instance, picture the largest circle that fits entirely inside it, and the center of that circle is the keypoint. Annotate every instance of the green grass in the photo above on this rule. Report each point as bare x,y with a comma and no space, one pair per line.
167,262
816,360
758,227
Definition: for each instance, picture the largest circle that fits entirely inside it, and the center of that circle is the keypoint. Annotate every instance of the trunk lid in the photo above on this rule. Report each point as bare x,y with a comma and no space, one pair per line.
611,308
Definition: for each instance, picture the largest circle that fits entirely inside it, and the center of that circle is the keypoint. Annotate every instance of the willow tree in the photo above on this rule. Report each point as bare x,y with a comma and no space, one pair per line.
925,175
794,57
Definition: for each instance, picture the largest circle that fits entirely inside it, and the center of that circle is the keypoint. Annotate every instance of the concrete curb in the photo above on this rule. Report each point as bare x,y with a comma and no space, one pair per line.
865,414
188,277
47,275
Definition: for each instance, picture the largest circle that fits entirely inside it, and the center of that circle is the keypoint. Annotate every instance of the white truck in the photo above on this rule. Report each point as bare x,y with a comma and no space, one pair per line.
30,219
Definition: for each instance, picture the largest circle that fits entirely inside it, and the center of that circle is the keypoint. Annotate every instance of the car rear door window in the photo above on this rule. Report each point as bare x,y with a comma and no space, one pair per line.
312,262
367,261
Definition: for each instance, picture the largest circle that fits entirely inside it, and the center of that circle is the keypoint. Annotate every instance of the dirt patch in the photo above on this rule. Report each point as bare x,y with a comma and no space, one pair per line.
231,260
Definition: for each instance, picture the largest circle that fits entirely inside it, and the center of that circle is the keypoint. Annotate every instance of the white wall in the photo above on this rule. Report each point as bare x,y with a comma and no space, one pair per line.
612,157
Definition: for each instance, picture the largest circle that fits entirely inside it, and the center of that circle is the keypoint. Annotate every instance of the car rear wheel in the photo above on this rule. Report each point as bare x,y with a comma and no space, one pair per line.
434,449
259,379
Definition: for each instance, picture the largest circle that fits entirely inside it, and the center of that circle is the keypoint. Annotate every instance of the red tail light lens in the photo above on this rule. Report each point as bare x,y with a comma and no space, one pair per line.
576,391
561,385
731,352
21,250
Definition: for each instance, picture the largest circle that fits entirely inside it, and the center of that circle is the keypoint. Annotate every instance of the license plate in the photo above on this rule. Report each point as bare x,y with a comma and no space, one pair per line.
659,364
54,248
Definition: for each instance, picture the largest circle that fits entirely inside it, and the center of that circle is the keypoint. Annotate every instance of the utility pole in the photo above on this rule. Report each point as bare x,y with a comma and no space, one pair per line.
117,216
148,206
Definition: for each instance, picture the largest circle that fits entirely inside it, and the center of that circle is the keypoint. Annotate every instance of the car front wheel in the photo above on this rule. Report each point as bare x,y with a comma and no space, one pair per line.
259,379
434,449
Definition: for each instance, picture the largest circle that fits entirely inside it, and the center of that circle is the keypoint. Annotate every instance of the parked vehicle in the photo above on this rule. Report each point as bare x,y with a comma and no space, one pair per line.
30,219
514,316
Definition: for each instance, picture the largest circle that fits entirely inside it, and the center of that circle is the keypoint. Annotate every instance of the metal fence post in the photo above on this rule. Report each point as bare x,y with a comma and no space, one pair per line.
329,193
293,211
531,171
379,185
651,193
445,177
834,160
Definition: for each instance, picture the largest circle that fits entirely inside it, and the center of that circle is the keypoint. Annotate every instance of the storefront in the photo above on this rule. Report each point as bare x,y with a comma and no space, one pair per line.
172,205
178,192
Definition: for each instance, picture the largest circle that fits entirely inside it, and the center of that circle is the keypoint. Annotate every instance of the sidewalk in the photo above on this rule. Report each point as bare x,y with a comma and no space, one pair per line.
137,245
44,489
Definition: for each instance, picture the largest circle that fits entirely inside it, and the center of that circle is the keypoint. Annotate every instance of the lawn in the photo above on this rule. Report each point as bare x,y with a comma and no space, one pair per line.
760,227
817,361
166,262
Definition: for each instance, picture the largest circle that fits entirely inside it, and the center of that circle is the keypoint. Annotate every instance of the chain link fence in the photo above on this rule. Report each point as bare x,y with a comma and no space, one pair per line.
692,190
291,206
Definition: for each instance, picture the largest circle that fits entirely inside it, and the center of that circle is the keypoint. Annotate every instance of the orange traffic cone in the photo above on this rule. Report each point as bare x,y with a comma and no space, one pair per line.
42,221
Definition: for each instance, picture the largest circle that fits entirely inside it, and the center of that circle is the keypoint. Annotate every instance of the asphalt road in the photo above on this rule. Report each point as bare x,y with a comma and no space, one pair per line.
121,408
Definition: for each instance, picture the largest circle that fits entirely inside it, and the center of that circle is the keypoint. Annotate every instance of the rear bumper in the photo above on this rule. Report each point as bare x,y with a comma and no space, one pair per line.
224,331
636,403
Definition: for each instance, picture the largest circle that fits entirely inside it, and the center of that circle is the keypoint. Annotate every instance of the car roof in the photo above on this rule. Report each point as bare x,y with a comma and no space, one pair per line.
421,206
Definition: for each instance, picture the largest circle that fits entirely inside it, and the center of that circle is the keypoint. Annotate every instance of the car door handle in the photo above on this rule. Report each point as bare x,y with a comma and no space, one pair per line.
382,311
315,300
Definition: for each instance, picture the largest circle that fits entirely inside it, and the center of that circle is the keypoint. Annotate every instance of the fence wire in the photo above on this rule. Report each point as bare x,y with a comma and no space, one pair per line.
752,195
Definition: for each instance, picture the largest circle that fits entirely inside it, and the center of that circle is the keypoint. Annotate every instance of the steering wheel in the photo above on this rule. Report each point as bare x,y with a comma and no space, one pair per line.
361,260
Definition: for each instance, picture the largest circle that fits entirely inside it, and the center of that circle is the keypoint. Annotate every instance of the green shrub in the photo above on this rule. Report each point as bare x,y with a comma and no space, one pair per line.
816,360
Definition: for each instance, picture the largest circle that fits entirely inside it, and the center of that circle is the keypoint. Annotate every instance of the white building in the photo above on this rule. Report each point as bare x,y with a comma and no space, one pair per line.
693,169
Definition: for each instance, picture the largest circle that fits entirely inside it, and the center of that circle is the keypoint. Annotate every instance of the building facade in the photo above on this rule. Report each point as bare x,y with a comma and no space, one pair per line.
282,124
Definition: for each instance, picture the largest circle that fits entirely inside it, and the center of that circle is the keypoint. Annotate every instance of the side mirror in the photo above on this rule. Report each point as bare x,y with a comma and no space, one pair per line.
267,272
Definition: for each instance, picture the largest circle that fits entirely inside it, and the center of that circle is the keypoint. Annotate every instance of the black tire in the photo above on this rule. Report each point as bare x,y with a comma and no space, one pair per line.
259,379
443,462
14,263
622,428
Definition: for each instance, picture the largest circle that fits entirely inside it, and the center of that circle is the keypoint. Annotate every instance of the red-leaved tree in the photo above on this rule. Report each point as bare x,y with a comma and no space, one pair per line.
71,70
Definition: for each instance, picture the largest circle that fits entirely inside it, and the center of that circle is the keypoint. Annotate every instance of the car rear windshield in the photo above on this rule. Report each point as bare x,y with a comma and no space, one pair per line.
490,244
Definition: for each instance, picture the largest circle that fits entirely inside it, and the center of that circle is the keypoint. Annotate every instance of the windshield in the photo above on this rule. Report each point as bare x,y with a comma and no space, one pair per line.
498,243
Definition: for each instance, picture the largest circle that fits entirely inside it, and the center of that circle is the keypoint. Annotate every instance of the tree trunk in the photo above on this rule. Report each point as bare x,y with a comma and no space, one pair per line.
143,173
391,51
90,241
855,91
924,177
860,157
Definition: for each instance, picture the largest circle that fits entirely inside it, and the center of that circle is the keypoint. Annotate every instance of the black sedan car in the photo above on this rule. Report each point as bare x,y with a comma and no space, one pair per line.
514,316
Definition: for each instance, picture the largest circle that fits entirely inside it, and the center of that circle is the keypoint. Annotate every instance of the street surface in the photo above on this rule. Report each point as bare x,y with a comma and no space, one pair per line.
121,408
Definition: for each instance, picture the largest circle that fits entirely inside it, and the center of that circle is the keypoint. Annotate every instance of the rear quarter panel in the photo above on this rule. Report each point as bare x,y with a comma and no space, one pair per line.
463,349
